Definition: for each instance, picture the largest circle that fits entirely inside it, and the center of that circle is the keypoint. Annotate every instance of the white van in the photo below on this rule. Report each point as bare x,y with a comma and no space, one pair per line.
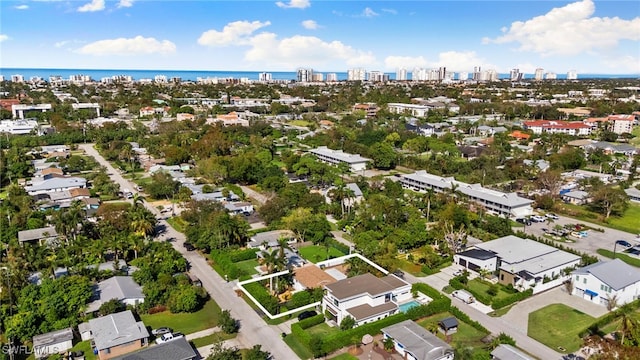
464,296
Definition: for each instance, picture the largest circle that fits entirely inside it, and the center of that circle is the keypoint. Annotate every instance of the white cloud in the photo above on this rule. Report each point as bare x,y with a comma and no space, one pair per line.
94,5
3,37
138,45
310,24
391,11
368,12
295,4
235,33
60,44
298,50
21,7
452,60
569,30
623,64
125,3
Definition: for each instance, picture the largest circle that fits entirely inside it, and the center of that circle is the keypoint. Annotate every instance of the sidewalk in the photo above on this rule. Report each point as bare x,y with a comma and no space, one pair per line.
205,351
202,333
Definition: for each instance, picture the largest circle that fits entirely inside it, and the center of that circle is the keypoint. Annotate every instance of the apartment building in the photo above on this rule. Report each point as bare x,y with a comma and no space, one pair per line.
575,128
335,157
504,204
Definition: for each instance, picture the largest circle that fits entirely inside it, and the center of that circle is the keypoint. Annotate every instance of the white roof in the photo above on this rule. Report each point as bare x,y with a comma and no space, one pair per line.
339,155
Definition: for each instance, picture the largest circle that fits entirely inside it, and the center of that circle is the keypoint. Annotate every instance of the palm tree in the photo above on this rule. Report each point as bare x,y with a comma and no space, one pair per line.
629,325
137,200
429,195
273,262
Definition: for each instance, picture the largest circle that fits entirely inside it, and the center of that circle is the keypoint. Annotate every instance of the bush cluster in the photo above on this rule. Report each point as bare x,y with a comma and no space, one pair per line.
261,294
500,303
466,319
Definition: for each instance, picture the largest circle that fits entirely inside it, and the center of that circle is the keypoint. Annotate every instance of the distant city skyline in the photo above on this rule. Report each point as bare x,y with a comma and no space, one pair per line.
597,37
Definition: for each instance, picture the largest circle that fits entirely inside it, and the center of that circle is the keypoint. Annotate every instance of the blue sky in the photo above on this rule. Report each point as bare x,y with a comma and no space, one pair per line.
326,35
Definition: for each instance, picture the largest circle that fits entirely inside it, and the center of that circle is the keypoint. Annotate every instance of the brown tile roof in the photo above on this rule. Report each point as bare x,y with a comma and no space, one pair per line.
364,284
79,192
311,276
51,170
365,311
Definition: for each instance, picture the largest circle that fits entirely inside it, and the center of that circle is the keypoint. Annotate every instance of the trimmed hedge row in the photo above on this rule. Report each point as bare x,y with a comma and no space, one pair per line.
242,255
312,321
466,319
223,265
427,290
263,297
500,303
606,319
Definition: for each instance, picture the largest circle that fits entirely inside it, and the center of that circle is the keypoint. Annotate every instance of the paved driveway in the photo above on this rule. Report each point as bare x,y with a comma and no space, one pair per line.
518,315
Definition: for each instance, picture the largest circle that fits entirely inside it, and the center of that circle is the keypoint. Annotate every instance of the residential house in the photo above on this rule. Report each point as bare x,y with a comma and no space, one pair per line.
41,235
55,184
540,165
335,157
19,127
523,263
414,342
365,298
118,334
576,197
370,109
178,349
605,281
504,204
269,239
508,352
633,194
311,276
519,135
55,150
239,207
185,117
121,288
55,342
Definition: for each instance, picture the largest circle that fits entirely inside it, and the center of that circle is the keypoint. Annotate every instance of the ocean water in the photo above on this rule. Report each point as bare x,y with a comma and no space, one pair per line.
97,74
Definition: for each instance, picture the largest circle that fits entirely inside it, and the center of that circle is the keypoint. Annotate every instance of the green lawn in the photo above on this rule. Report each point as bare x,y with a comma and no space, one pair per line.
629,222
619,255
210,339
248,266
315,253
186,323
298,348
482,287
177,223
84,346
558,325
323,330
467,336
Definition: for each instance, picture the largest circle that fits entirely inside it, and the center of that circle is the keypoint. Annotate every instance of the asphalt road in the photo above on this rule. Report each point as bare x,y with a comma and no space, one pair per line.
253,330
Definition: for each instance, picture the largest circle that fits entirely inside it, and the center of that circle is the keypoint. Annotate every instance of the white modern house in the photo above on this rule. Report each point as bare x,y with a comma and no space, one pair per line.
606,280
55,342
365,298
504,204
413,342
523,263
335,157
18,127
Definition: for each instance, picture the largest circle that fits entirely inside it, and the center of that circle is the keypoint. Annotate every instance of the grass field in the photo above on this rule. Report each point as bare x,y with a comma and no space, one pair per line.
482,287
299,123
633,261
629,222
213,338
558,325
177,223
467,336
186,323
248,266
315,253
298,348
323,330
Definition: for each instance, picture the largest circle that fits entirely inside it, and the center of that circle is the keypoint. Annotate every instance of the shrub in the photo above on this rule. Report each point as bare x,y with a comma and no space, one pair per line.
466,319
242,255
347,323
500,303
312,321
493,290
227,323
506,339
260,293
427,290
299,299
184,299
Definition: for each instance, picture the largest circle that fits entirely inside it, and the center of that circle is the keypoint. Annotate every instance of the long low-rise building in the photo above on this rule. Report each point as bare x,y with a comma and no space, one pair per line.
505,204
335,157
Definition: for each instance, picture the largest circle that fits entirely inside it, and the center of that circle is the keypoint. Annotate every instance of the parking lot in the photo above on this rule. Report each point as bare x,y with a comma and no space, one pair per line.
590,243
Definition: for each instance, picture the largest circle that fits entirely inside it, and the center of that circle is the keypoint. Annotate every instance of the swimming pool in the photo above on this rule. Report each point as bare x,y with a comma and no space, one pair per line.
406,306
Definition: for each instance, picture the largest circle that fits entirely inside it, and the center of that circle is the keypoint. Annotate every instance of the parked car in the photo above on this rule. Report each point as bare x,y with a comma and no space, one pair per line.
189,246
399,273
538,218
161,331
464,296
306,314
168,337
524,221
624,243
552,216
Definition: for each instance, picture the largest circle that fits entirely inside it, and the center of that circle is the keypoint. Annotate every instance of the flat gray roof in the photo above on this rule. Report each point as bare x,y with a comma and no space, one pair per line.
178,349
37,234
117,329
270,237
54,337
417,340
340,155
615,273
508,352
56,183
471,190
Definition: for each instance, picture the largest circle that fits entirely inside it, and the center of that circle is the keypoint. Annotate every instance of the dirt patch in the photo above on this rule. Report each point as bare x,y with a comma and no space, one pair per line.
355,351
